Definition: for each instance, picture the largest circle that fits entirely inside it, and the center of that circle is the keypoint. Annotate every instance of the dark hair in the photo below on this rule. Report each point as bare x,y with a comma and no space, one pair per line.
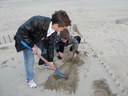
61,18
64,34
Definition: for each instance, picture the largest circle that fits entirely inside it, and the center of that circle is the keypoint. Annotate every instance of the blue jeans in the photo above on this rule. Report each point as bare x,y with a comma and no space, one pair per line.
29,62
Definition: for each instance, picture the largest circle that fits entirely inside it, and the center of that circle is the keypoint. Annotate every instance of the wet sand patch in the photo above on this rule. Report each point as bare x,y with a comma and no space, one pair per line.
70,70
101,88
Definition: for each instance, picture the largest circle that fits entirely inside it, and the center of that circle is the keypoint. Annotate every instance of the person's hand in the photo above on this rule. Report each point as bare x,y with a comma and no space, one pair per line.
34,50
51,66
74,56
60,54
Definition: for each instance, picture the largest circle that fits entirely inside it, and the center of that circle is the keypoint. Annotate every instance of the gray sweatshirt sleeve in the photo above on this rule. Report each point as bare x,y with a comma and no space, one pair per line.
73,41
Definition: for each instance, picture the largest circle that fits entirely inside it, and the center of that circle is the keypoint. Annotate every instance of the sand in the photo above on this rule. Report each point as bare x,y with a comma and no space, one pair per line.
70,70
103,50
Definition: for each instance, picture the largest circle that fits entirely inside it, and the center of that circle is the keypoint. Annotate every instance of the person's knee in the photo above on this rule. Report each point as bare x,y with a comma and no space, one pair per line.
78,38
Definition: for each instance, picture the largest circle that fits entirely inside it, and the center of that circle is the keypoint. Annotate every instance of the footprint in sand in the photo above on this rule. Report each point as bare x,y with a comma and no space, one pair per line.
3,48
3,64
122,21
95,56
86,53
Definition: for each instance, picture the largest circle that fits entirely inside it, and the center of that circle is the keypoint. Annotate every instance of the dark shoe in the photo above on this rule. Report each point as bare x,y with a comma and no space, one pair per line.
70,48
77,52
45,66
59,57
41,62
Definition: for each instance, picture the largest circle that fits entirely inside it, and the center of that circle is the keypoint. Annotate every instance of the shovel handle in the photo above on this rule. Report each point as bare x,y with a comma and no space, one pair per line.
56,70
39,55
26,45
